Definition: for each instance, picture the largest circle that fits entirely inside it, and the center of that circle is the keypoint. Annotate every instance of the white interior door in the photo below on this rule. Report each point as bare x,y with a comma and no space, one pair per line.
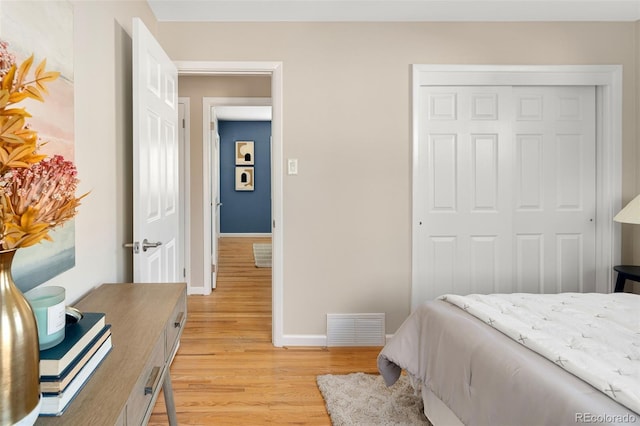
215,203
467,175
506,184
554,189
157,257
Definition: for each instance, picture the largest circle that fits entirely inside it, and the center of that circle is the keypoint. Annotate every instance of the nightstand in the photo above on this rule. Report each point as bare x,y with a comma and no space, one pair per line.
626,272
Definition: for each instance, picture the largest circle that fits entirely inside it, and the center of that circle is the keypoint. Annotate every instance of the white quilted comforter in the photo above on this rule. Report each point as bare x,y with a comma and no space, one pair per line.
593,337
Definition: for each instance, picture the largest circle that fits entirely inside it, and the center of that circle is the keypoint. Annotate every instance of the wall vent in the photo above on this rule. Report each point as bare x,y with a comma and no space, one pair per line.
356,329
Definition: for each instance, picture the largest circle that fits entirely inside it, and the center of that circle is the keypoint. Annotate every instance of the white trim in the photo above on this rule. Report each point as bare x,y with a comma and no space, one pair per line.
277,211
209,105
196,291
244,235
246,101
517,75
311,339
186,196
608,79
207,282
227,68
275,70
304,340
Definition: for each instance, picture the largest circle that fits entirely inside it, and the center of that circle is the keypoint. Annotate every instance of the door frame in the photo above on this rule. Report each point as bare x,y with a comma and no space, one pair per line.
608,82
274,69
185,189
209,103
209,116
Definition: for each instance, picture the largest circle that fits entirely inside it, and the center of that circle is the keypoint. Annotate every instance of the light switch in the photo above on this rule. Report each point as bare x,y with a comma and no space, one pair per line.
292,166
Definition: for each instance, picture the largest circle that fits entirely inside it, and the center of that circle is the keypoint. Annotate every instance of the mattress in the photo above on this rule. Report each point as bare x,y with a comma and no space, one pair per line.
486,378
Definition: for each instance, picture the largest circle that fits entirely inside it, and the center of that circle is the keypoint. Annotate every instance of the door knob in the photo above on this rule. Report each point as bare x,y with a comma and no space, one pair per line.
147,245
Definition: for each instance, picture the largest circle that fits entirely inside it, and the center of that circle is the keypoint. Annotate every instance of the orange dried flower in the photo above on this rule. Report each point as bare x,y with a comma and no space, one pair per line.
37,193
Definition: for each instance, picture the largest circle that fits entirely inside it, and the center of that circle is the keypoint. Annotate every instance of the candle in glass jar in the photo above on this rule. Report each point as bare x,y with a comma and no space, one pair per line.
49,308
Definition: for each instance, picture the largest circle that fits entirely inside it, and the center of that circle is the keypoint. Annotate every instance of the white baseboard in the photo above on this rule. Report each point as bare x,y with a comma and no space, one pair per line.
310,339
254,235
196,290
304,340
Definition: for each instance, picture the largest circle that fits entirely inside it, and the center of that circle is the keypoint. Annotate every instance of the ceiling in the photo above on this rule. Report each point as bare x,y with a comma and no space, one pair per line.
393,10
384,11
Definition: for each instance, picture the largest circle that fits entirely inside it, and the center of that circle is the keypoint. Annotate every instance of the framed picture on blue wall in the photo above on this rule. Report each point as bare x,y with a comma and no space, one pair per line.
244,153
244,179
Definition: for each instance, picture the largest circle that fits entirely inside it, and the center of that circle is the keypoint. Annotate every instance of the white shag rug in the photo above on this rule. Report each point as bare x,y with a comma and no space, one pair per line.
363,399
262,255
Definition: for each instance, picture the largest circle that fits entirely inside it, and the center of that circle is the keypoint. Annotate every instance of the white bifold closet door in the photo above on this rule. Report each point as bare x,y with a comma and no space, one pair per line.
506,190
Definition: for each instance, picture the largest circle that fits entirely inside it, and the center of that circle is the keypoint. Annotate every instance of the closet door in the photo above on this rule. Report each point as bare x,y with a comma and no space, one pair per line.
466,179
505,182
554,189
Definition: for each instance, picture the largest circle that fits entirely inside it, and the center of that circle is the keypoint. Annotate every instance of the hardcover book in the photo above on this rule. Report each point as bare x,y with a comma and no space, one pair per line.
57,384
55,360
55,404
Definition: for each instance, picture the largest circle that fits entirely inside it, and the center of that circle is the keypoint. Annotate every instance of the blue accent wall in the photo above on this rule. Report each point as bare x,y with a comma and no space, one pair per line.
245,211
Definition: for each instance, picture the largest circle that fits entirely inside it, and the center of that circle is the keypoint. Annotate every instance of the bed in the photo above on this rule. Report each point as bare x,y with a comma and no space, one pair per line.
522,359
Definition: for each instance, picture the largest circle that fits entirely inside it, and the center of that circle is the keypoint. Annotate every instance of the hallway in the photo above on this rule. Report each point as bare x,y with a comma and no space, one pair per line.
227,372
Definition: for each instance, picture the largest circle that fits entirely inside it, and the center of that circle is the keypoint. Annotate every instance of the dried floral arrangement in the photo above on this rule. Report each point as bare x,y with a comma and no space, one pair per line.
37,192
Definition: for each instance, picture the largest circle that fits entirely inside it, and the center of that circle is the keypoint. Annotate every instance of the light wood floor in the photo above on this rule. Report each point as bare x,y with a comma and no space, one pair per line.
228,373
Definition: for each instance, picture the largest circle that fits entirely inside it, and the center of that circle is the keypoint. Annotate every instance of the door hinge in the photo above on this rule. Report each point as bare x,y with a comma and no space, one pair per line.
184,272
183,124
213,269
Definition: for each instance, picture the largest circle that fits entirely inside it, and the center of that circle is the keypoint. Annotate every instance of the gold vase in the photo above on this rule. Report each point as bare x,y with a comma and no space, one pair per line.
20,355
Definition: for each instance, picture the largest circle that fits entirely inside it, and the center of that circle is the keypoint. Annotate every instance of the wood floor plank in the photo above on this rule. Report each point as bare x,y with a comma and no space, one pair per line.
227,372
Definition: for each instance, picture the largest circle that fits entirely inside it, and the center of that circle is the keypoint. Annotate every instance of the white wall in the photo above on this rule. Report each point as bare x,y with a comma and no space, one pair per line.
347,120
347,231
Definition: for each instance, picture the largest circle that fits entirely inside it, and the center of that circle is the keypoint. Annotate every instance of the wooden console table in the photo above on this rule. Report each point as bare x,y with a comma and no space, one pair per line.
146,324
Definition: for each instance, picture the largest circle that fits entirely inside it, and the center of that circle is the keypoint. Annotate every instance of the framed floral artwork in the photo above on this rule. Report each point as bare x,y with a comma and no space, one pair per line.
45,30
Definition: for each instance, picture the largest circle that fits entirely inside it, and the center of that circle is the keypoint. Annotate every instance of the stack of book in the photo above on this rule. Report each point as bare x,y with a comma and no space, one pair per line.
66,367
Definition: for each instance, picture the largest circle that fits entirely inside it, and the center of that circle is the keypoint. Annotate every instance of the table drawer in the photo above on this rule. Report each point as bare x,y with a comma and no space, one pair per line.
175,325
148,385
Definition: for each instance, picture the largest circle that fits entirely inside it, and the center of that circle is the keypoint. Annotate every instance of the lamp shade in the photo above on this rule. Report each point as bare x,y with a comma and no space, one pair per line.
630,213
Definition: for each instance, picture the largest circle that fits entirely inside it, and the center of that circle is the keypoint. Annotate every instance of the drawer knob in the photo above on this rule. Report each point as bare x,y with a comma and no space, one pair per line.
178,321
152,381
